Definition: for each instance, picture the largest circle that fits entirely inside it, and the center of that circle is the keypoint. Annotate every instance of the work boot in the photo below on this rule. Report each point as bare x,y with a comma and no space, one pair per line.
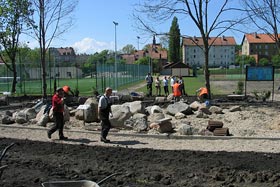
49,135
63,138
104,140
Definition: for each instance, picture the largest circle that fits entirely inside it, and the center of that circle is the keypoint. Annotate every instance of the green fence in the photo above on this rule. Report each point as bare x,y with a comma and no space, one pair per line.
106,75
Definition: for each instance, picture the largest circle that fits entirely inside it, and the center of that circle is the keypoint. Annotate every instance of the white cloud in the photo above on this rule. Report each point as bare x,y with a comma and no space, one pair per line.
90,46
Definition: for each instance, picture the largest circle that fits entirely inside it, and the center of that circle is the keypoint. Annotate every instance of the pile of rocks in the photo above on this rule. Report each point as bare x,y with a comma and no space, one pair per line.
135,116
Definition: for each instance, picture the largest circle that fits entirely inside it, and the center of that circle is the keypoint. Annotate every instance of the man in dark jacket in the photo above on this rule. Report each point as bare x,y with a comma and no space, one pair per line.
104,110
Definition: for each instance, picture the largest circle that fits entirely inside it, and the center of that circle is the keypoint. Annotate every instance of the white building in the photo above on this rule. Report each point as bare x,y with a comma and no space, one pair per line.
222,51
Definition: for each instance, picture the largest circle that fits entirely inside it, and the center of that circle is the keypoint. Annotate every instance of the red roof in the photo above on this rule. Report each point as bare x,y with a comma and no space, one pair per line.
212,41
259,38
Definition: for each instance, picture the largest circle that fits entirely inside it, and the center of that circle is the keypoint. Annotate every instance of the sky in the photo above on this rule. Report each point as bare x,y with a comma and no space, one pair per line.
94,29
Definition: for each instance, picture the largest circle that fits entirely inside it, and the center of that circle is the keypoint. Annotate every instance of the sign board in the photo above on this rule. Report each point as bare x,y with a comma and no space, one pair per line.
83,107
260,73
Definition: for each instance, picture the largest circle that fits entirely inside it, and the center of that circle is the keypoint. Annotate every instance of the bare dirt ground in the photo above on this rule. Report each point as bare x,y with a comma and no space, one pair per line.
250,160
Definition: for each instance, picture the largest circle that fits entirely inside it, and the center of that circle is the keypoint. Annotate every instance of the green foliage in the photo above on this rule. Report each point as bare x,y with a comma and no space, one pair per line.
128,49
276,60
245,60
143,61
174,42
240,87
263,62
263,95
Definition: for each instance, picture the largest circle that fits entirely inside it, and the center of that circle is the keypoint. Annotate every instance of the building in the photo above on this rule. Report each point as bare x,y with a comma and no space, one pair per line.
222,51
155,51
259,46
63,56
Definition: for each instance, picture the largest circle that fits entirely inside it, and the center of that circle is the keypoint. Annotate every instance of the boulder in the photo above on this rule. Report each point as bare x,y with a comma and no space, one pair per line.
138,122
121,113
182,107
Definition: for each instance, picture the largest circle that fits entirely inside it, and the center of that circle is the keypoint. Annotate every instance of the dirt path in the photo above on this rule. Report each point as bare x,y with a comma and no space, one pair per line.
138,141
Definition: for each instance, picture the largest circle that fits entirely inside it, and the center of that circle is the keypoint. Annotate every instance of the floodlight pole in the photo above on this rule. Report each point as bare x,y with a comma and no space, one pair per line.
116,69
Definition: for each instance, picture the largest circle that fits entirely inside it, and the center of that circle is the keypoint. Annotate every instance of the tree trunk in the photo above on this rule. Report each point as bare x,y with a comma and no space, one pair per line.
206,71
14,83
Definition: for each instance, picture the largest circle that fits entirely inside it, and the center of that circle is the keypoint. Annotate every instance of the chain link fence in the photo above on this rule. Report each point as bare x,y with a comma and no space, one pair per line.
29,81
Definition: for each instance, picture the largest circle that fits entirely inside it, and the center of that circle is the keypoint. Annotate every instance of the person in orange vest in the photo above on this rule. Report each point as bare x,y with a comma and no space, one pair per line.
177,91
202,93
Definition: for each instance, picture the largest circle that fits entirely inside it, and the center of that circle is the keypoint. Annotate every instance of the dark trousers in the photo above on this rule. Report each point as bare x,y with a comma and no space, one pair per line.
182,89
59,124
105,127
166,91
150,89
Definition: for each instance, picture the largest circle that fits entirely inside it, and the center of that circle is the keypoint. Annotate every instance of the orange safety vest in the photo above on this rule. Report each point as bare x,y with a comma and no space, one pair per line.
203,91
176,90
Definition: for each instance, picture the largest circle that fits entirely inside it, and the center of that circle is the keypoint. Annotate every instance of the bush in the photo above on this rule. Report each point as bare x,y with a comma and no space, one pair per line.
240,87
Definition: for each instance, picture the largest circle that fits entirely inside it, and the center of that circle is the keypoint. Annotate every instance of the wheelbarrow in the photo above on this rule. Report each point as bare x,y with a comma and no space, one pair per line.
2,156
80,183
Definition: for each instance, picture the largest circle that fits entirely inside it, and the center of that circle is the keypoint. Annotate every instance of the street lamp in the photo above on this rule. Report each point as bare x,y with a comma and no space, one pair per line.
138,57
116,70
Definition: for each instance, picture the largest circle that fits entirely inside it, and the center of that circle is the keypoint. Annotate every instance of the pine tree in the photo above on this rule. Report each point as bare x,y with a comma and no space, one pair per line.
174,42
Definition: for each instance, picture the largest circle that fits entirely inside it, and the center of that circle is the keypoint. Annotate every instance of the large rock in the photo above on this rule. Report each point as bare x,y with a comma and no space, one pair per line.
138,122
216,110
20,117
195,105
121,113
7,120
156,109
43,121
165,127
155,117
30,113
91,113
177,107
185,129
4,101
135,107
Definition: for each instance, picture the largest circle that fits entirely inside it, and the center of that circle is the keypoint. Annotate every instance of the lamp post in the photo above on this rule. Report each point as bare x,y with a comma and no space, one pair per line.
116,70
138,57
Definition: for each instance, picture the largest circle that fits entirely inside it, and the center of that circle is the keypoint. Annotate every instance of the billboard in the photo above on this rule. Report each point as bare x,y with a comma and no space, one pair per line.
260,73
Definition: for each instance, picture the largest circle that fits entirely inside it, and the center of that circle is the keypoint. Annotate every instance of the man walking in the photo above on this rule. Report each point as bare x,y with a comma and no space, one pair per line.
58,109
104,110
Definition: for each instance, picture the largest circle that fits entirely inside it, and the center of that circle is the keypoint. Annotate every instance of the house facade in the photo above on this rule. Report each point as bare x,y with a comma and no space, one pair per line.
63,56
222,51
155,51
259,46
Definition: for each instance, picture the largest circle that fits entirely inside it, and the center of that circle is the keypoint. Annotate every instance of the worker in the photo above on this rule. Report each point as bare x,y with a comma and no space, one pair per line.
176,91
202,94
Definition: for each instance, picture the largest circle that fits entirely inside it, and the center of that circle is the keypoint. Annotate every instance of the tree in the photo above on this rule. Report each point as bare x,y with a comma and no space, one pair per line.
198,11
264,62
52,19
276,60
264,14
13,21
174,42
245,60
128,49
